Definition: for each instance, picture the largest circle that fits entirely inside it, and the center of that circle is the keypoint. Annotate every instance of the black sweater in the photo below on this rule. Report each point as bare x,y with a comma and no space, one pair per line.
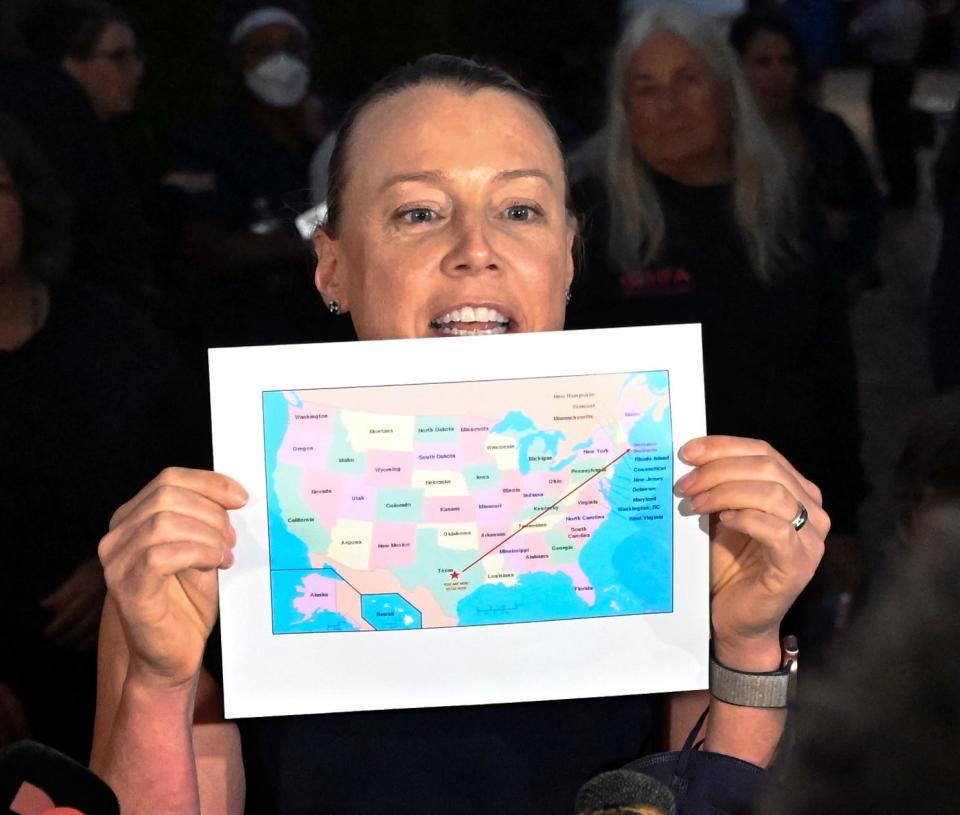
778,359
91,408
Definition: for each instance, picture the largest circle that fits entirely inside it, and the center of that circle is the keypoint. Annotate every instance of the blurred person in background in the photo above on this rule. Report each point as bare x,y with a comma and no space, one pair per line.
822,153
878,731
96,45
694,220
240,178
817,24
892,32
928,469
91,399
37,91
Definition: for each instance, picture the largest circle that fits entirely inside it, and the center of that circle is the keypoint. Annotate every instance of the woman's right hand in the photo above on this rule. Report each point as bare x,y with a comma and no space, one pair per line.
160,560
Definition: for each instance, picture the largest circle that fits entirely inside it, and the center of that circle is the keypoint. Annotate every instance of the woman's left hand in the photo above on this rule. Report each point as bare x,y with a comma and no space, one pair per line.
759,563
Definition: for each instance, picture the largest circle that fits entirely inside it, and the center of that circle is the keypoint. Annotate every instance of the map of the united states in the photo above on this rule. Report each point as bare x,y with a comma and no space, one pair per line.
504,502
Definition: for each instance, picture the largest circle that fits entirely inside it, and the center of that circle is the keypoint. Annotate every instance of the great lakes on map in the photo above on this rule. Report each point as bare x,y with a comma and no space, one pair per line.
507,501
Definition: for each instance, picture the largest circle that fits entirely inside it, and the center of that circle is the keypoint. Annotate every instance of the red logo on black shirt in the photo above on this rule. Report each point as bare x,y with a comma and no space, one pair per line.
660,281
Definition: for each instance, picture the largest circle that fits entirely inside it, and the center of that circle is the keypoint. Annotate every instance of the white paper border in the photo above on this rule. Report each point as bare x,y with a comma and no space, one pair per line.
270,675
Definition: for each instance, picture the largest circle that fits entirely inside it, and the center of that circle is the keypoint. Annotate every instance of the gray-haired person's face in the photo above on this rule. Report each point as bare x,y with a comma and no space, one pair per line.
454,218
677,111
11,226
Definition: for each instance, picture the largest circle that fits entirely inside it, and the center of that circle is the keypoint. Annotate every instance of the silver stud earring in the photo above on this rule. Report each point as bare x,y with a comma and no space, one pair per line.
568,297
334,306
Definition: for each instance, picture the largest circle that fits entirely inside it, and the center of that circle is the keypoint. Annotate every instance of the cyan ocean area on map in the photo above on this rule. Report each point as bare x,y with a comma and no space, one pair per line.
512,501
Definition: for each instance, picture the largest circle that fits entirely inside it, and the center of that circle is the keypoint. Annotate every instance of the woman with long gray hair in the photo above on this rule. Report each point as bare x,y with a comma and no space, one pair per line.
692,217
724,140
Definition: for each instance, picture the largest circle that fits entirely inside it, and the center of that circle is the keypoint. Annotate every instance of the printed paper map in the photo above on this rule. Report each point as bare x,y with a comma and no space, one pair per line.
511,501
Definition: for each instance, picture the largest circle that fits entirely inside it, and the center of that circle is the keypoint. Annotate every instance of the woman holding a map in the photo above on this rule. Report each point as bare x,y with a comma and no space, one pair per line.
448,215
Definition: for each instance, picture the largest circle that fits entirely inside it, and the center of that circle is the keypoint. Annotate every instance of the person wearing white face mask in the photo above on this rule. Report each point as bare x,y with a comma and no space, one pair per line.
271,45
239,177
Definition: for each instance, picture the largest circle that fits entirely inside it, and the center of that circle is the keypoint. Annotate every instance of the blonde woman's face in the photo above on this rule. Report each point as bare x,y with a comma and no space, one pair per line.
454,219
677,111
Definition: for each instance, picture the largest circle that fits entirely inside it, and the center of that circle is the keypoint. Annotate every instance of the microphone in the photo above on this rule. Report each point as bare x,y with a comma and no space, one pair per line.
625,792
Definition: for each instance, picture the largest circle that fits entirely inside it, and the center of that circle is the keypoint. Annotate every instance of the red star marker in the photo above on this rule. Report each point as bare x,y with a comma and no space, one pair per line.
454,575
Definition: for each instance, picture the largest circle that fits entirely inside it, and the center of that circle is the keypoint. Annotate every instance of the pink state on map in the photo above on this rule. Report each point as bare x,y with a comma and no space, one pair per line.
358,499
321,491
316,592
581,583
434,456
491,506
340,598
536,482
474,445
302,448
518,550
313,418
633,412
389,469
511,487
453,509
394,546
601,445
538,495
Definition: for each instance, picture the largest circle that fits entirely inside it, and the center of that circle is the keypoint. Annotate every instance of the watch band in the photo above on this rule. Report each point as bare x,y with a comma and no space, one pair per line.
773,689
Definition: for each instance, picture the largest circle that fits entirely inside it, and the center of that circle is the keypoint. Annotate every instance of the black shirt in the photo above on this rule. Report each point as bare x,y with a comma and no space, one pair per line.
524,758
229,174
109,231
778,358
91,408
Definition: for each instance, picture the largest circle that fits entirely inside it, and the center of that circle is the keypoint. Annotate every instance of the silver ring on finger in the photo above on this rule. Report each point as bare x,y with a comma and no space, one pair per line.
800,519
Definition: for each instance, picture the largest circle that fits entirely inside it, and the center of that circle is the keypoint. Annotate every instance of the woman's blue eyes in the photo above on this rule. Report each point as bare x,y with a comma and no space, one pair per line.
423,215
419,216
519,212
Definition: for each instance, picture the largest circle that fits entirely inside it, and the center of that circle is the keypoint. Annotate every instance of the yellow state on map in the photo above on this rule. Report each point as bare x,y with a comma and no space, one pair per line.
439,483
350,543
504,450
537,527
461,537
496,572
378,431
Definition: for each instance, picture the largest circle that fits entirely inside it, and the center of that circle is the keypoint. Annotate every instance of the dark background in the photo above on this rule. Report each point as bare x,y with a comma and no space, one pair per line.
558,48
